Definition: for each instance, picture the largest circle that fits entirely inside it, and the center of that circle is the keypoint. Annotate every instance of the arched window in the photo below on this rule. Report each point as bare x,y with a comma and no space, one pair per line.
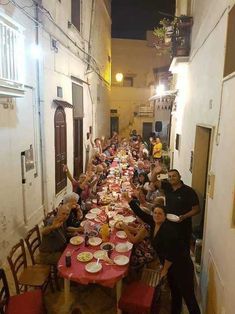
60,149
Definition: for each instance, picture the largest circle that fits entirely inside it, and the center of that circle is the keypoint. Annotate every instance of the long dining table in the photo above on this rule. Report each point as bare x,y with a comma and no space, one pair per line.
111,274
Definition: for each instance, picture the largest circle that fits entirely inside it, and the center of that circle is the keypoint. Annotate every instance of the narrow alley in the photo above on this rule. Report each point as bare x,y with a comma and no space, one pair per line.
117,146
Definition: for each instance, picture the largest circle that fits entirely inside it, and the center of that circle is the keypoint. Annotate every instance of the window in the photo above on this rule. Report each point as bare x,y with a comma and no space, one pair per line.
11,57
128,81
60,149
113,111
76,14
229,66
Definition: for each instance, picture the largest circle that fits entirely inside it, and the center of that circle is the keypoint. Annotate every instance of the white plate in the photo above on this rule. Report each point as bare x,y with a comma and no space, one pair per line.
85,257
84,222
172,217
95,210
129,219
90,216
101,254
76,240
93,267
112,223
94,241
121,260
118,217
123,247
121,235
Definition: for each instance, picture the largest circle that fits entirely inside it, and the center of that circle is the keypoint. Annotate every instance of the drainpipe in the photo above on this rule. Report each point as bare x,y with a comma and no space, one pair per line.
23,187
40,104
90,32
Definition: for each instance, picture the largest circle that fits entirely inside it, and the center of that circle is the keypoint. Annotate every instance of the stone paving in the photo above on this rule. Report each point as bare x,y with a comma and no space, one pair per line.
92,299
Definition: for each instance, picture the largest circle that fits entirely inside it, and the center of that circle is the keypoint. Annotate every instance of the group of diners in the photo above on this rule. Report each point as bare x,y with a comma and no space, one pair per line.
153,235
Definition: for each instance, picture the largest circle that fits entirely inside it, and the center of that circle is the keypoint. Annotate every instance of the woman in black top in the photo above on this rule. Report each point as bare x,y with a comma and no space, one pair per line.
176,261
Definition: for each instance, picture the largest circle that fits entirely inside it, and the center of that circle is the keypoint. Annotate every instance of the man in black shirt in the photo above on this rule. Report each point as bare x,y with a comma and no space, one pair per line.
181,200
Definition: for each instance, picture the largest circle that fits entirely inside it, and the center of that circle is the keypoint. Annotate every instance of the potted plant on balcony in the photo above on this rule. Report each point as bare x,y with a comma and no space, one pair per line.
165,30
164,33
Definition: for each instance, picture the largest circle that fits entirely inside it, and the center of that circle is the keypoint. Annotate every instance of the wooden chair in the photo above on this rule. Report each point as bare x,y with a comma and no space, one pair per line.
137,297
33,241
50,214
36,275
27,303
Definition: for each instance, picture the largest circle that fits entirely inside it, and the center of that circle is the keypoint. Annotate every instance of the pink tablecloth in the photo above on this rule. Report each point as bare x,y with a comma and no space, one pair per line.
109,274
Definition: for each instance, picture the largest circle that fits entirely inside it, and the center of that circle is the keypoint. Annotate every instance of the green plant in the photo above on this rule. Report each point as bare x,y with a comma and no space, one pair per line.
159,32
163,34
166,161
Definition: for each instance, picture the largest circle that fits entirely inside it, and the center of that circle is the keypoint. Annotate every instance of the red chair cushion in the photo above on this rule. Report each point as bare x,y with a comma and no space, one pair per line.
27,303
136,298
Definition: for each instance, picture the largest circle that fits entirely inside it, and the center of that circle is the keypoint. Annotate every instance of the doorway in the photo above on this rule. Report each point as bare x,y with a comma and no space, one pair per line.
78,114
60,149
147,130
201,158
114,125
78,147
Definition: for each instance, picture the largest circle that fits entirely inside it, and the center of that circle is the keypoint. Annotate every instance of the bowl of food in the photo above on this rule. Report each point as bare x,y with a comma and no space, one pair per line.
108,247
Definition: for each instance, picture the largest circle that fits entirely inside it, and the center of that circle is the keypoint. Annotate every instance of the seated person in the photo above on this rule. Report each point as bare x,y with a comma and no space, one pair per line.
140,194
109,154
80,186
54,237
76,214
143,180
142,252
139,169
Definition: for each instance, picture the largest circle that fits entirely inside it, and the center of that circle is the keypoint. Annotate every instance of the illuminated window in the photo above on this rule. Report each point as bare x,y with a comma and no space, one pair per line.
11,57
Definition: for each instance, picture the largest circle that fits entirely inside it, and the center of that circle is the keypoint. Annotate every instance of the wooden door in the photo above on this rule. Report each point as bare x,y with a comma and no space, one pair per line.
60,149
200,172
78,146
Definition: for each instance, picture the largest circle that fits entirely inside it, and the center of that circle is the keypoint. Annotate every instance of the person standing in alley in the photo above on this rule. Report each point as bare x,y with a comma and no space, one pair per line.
181,200
157,150
177,265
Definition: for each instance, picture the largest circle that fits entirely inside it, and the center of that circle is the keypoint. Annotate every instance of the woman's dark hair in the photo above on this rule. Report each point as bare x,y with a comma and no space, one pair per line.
146,178
162,207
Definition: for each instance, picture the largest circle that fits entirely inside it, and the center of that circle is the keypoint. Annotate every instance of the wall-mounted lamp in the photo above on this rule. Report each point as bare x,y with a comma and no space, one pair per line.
119,77
160,89
36,51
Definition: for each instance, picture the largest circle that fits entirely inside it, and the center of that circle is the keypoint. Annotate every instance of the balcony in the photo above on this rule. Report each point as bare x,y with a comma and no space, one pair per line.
173,36
181,37
144,111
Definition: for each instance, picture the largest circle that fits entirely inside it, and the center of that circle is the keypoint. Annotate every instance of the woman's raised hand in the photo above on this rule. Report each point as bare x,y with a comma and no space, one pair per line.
65,168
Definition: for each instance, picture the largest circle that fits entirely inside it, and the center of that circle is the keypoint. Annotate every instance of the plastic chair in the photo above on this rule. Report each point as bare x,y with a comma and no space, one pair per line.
33,241
137,297
36,276
27,303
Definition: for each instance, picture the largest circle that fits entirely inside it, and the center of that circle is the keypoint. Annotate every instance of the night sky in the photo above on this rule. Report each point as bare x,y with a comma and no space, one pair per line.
131,18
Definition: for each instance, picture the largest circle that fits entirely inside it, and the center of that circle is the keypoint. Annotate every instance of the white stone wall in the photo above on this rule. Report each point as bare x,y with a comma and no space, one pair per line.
18,130
202,93
20,122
